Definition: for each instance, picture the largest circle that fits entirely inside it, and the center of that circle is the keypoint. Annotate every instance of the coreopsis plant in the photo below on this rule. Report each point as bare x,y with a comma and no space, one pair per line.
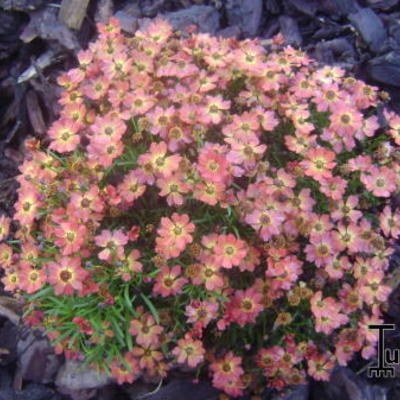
204,203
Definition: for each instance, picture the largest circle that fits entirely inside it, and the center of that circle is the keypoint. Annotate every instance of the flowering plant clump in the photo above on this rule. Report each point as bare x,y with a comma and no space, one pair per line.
208,204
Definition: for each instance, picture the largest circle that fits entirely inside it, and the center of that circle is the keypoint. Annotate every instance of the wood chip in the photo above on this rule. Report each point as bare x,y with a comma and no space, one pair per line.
42,62
35,113
72,13
10,308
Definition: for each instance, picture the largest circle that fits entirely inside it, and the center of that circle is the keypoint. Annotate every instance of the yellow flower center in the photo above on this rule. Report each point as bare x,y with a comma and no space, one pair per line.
213,109
210,190
345,118
229,250
85,203
65,136
320,164
208,272
226,367
380,182
65,275
178,230
160,161
70,236
174,188
213,166
34,276
323,250
138,103
246,305
265,220
330,95
168,282
27,205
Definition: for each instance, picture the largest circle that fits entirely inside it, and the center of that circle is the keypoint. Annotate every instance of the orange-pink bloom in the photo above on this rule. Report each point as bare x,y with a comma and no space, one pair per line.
229,251
190,351
66,275
318,163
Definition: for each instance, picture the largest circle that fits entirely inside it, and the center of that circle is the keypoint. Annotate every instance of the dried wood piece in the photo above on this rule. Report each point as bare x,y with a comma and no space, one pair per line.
290,30
370,28
9,22
10,114
104,11
50,94
150,8
308,7
338,7
10,309
44,23
72,13
42,62
35,113
36,359
22,5
246,14
128,23
206,18
385,69
76,376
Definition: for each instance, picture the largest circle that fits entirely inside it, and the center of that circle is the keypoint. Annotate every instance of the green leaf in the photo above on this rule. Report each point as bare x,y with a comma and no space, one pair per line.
128,300
118,331
54,155
151,307
129,341
16,241
236,231
61,337
43,292
72,339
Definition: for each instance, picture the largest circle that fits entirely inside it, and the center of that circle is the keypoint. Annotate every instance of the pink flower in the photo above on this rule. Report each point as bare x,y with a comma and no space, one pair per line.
66,275
175,234
189,351
201,313
229,251
390,223
85,205
64,136
213,166
126,370
145,331
346,209
32,279
318,163
226,369
333,187
70,237
380,181
246,306
113,243
321,249
320,366
131,188
4,226
213,111
266,222
169,282
327,313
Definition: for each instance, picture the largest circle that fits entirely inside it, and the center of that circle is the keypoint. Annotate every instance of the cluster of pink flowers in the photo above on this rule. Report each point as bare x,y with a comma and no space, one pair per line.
205,203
